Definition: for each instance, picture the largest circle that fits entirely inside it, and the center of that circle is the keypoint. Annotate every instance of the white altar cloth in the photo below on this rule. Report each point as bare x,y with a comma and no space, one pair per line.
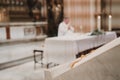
64,49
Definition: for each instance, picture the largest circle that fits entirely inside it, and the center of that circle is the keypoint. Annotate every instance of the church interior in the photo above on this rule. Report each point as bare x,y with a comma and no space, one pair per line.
59,40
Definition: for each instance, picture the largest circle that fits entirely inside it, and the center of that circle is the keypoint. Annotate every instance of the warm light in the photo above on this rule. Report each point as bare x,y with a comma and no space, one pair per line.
110,23
110,16
98,17
99,23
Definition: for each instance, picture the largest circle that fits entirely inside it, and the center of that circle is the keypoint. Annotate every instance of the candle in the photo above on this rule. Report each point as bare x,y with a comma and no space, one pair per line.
110,23
99,23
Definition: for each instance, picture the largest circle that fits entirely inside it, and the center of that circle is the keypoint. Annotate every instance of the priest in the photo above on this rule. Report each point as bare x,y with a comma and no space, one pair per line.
65,28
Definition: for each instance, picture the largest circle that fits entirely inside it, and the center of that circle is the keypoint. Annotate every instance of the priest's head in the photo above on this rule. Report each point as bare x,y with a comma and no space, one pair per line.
66,20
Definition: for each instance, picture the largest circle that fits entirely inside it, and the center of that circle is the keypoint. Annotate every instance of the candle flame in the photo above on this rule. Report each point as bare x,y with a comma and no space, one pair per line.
110,16
99,17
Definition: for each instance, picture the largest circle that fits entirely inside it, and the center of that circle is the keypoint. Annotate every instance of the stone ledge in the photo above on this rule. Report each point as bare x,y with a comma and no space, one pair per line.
38,38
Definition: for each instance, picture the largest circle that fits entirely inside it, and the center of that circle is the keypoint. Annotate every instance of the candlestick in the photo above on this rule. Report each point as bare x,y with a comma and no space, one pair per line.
110,23
99,23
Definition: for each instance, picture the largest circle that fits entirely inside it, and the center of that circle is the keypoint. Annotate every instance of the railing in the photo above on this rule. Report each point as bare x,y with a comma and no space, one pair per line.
4,24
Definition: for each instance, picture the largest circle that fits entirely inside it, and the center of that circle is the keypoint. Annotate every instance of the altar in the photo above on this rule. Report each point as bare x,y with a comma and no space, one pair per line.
64,49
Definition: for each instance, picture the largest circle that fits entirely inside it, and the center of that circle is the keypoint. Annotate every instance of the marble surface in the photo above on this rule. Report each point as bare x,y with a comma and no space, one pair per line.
103,64
23,72
103,67
9,52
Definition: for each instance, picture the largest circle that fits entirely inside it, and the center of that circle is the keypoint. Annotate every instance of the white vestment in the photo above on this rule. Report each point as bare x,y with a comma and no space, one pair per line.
63,29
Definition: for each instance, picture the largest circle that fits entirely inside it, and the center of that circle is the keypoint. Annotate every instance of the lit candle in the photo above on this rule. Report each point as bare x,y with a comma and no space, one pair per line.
99,23
110,23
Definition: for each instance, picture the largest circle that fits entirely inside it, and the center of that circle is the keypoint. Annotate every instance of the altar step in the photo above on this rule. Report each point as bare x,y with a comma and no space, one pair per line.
38,38
17,53
16,62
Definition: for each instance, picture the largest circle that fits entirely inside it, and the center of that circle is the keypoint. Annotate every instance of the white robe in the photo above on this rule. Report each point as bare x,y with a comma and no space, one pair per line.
63,29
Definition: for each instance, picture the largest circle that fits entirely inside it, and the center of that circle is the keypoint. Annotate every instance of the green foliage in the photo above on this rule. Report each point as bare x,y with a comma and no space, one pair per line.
97,32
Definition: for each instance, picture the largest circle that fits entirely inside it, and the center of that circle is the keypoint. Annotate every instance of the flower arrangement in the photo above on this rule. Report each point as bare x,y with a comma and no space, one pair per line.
97,32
